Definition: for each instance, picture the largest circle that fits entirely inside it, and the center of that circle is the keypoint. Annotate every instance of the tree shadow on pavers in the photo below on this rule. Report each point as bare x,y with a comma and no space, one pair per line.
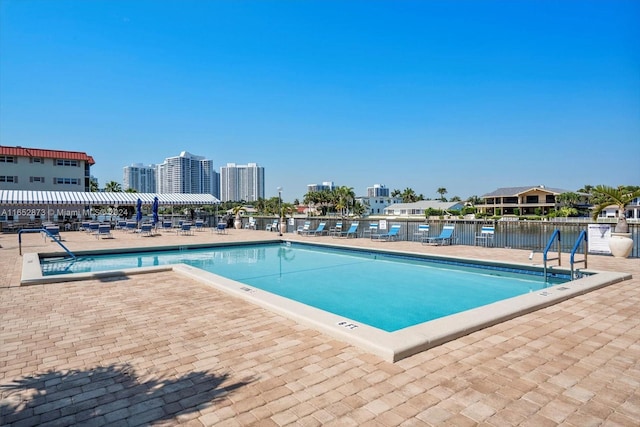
108,395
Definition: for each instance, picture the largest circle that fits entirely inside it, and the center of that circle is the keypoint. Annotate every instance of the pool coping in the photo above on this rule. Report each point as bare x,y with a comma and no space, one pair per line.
391,346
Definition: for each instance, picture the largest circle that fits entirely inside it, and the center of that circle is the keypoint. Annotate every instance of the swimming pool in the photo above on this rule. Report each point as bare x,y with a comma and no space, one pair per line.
378,300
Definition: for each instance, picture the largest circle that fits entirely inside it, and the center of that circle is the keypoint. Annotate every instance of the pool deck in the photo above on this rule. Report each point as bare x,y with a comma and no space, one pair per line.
164,349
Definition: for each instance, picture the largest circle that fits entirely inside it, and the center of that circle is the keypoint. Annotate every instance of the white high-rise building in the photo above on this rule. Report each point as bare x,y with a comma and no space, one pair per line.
377,191
241,182
140,178
186,173
326,185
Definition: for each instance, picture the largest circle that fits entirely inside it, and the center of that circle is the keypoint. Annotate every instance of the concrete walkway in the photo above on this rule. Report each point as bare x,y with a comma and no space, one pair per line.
160,349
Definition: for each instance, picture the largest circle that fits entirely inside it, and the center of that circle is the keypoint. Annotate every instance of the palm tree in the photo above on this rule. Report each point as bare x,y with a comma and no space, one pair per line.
359,209
442,191
568,199
605,196
474,200
408,195
343,196
113,187
93,186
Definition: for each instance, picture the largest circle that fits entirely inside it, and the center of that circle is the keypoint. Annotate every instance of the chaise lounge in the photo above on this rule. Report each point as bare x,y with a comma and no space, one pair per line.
387,237
445,237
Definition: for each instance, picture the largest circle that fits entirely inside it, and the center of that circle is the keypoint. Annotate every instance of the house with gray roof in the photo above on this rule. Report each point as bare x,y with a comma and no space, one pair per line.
531,200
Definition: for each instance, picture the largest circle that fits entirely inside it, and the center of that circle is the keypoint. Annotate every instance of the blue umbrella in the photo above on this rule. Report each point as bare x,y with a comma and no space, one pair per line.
139,211
154,209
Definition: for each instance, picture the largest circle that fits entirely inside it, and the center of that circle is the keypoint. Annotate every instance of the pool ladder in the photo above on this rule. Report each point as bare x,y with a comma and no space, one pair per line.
555,237
582,238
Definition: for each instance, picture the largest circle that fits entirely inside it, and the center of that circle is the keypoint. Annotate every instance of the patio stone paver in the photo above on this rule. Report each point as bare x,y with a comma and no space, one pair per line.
162,349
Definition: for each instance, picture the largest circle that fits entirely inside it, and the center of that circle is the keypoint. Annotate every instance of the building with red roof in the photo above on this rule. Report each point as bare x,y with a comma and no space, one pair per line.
40,169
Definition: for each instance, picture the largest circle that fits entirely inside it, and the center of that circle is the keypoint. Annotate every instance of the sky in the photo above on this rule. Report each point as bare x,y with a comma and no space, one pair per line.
469,96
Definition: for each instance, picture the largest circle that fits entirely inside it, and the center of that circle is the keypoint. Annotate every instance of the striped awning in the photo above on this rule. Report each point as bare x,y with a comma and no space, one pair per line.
26,197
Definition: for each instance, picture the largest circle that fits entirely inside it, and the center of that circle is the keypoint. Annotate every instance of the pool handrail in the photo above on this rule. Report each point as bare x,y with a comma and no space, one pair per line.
41,230
582,238
545,258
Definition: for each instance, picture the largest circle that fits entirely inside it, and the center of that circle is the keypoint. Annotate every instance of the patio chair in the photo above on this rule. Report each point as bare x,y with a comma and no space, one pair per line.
199,224
317,232
445,237
351,232
422,233
371,231
485,237
387,237
104,230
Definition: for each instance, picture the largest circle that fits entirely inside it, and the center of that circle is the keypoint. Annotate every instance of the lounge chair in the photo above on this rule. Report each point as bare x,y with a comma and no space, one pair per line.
104,230
422,233
52,231
199,225
92,227
251,224
317,232
445,237
146,230
304,228
387,237
351,232
273,226
131,226
167,225
336,229
485,237
221,228
371,231
185,229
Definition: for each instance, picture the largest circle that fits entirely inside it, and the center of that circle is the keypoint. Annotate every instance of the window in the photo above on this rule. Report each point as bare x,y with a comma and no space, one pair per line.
6,178
67,162
36,160
532,199
66,181
509,200
550,198
8,159
36,179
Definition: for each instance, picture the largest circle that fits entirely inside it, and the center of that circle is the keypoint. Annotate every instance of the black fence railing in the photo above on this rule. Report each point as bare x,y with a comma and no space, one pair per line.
528,235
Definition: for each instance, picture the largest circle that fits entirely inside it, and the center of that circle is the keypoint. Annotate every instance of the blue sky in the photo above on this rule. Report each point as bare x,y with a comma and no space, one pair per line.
465,95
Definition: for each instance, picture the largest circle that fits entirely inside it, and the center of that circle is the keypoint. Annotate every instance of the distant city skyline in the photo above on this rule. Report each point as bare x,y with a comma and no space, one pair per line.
467,95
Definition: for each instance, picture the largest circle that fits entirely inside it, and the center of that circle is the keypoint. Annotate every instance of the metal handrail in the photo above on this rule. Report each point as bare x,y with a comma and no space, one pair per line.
554,236
41,230
582,238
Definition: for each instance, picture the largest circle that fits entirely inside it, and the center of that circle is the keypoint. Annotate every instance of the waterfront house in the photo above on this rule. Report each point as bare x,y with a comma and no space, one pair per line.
532,200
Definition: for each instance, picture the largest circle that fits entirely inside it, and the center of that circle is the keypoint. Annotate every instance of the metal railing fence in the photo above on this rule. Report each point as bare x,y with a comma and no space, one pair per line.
528,235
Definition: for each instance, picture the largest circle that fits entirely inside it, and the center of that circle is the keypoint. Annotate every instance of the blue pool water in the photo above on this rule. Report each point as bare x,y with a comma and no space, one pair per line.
385,291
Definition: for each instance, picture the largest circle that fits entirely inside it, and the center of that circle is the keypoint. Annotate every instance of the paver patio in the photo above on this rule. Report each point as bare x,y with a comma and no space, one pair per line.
162,349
